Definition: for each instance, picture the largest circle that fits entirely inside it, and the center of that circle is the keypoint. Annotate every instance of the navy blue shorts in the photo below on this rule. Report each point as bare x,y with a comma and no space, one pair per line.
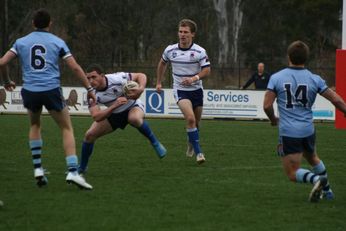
288,145
119,120
196,97
52,100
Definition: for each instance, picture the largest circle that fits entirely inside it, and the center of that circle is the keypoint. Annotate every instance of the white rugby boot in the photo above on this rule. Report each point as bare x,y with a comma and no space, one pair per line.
316,192
200,158
75,178
40,177
189,152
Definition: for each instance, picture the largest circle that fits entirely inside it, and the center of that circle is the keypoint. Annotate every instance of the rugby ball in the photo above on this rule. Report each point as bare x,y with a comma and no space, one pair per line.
129,85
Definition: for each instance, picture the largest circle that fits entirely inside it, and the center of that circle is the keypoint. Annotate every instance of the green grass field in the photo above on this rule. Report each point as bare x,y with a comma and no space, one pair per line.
240,187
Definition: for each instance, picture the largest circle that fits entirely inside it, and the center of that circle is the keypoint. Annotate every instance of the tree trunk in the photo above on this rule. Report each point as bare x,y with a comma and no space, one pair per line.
4,19
222,20
237,22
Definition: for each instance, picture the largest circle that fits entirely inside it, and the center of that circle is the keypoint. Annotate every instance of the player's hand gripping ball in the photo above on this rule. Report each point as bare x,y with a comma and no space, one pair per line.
130,85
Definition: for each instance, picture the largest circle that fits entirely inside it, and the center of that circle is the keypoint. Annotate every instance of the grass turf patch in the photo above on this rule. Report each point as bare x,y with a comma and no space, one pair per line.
240,187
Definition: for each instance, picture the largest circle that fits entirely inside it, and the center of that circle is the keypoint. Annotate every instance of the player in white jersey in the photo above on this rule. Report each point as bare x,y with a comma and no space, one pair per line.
295,89
190,64
121,110
39,53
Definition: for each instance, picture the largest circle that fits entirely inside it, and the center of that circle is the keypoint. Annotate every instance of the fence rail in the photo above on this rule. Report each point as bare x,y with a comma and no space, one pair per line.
226,77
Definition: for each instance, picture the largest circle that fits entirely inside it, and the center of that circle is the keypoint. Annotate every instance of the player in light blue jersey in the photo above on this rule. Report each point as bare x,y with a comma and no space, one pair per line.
190,64
39,53
121,109
295,89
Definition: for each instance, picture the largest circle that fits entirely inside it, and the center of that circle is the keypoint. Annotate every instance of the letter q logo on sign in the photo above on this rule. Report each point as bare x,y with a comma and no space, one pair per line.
155,102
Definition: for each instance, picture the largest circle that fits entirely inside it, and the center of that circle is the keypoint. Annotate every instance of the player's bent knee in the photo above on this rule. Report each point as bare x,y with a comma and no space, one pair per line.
191,120
90,137
136,122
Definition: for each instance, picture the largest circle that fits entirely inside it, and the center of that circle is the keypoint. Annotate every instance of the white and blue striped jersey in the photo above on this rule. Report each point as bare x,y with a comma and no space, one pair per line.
39,54
296,90
114,90
186,63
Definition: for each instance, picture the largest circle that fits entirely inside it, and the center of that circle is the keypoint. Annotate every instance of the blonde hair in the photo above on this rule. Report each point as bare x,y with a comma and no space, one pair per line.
189,23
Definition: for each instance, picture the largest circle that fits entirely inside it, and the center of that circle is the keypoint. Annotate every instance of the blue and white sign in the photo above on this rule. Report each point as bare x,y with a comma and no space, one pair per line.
217,104
236,104
155,102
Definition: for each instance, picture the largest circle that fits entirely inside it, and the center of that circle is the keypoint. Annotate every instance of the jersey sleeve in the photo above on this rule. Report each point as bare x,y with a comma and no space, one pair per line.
321,84
272,85
64,51
124,77
14,48
165,56
128,76
204,60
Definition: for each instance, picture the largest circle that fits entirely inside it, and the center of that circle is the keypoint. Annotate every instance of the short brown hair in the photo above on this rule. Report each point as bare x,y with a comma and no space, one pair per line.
189,23
298,52
41,18
95,67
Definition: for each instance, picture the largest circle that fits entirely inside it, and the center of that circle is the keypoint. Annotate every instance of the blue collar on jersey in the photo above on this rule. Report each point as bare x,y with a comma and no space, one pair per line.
297,68
41,30
106,87
185,49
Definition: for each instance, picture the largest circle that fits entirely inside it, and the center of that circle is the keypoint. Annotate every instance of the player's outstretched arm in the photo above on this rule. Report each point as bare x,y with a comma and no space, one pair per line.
78,71
160,71
268,102
8,83
335,99
248,83
98,115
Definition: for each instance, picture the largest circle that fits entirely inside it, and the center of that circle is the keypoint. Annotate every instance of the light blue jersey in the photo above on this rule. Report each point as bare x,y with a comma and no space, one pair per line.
296,90
39,54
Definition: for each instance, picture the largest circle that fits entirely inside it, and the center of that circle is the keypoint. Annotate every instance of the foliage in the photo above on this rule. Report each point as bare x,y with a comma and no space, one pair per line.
134,32
270,25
